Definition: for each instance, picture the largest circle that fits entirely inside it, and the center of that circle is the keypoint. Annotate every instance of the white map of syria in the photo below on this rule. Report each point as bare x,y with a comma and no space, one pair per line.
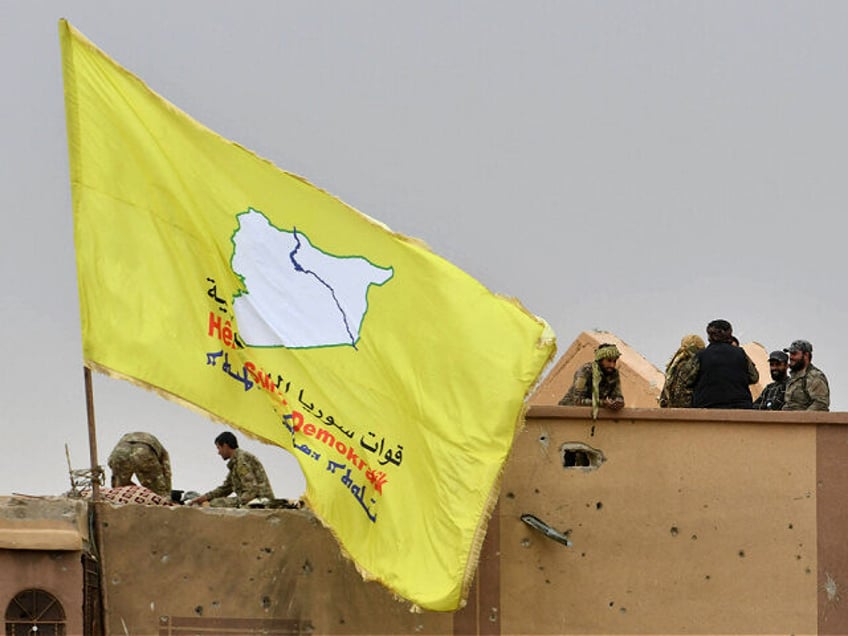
296,295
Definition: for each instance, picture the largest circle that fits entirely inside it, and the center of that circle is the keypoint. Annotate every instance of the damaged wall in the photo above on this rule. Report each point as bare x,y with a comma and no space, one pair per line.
681,521
233,571
696,521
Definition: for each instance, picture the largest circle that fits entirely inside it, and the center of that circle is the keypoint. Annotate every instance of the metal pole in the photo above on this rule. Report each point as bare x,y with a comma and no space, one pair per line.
92,437
99,612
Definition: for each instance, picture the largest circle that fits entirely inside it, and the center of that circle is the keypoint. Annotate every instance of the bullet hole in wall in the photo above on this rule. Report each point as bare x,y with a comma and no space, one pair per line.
579,456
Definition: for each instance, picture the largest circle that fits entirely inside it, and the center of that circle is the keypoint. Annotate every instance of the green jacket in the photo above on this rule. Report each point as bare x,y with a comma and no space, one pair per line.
807,390
246,478
580,393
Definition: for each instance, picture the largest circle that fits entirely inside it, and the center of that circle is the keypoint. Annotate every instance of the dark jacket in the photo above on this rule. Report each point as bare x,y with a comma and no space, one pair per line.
722,378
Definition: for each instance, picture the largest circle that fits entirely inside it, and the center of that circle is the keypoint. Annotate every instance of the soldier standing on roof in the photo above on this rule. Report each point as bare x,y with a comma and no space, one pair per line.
807,389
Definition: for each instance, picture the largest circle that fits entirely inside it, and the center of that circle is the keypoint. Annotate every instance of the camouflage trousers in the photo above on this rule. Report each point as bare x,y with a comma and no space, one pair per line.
130,458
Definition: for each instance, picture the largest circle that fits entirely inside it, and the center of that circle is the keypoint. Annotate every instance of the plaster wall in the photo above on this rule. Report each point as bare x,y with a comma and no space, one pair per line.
189,570
56,572
41,543
695,522
708,522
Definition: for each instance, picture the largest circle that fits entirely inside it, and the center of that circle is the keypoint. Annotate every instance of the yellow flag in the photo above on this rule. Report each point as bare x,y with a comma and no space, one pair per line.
210,275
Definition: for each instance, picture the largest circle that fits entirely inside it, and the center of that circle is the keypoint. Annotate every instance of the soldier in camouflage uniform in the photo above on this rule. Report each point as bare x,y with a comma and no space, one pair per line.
141,454
246,478
772,397
807,389
597,383
675,392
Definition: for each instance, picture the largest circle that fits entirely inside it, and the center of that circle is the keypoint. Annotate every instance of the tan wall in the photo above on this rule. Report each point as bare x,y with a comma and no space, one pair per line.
697,521
57,572
211,569
759,356
707,524
41,543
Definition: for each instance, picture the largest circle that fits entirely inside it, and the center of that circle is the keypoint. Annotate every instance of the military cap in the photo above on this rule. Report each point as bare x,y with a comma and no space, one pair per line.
778,356
799,345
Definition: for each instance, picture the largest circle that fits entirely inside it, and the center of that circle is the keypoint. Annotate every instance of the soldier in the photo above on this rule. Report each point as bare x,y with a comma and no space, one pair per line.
141,454
772,397
722,372
807,389
675,393
246,478
597,383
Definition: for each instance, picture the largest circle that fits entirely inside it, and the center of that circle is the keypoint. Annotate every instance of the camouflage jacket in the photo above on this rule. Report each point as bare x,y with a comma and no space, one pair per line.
807,390
246,478
141,454
580,393
772,397
676,392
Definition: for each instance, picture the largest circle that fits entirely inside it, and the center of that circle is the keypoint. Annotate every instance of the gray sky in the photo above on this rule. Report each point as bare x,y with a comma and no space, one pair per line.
639,167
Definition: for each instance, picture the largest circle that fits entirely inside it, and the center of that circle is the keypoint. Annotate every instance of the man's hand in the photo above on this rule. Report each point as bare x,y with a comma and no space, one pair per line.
197,501
614,405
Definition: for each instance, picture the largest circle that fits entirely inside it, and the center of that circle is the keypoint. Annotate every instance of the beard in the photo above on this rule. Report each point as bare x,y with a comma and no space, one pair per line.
777,376
798,366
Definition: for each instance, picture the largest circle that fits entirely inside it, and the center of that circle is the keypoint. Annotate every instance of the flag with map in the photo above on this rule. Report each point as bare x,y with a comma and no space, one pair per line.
228,285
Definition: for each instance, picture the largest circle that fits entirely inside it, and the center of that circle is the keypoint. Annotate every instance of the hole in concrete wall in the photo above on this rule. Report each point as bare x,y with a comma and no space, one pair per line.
576,455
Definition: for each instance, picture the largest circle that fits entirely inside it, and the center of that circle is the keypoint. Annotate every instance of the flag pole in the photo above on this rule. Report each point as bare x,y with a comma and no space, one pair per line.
92,438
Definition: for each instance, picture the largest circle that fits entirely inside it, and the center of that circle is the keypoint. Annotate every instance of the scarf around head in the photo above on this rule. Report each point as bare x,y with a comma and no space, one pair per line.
601,353
689,346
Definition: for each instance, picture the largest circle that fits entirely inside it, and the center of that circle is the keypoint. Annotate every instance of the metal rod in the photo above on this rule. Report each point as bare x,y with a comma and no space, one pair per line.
92,436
